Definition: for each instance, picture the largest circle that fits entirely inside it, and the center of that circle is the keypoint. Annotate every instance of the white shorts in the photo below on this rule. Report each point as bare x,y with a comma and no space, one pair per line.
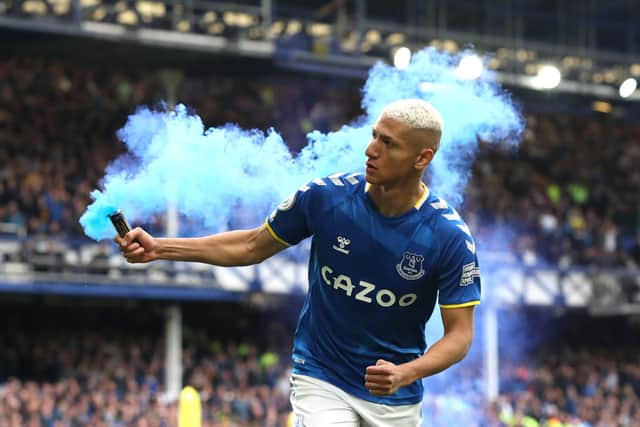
317,403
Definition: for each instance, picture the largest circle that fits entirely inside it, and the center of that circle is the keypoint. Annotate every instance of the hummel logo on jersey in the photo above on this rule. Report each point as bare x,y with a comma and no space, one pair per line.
343,242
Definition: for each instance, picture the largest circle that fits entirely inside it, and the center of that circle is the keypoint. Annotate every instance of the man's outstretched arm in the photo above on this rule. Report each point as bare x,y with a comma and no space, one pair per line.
231,248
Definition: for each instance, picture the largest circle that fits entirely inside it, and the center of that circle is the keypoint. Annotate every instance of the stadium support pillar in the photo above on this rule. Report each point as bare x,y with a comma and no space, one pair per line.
173,352
490,324
76,12
267,12
173,319
361,16
170,80
172,221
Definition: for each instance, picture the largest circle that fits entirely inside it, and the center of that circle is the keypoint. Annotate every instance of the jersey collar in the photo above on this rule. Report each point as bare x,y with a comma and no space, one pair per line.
421,200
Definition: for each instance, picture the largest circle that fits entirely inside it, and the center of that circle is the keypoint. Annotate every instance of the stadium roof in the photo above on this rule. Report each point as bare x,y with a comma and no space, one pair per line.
594,44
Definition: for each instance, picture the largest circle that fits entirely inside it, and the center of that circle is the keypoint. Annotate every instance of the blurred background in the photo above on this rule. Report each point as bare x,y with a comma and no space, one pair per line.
87,340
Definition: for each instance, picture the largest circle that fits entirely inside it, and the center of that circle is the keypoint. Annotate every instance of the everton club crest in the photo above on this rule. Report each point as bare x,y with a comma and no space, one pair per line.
410,267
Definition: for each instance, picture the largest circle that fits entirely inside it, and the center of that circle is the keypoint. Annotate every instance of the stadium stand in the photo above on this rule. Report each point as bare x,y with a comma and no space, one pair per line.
561,215
109,371
567,199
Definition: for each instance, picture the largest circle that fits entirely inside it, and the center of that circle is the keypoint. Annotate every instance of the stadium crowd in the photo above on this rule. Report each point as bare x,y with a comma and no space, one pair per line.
566,197
573,388
93,380
57,141
551,374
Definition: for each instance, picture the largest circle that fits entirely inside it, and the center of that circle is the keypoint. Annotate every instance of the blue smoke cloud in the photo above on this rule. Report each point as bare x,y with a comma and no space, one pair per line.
173,158
471,110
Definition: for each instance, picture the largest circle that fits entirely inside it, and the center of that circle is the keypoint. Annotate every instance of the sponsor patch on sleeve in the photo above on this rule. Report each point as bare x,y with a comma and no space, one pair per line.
469,273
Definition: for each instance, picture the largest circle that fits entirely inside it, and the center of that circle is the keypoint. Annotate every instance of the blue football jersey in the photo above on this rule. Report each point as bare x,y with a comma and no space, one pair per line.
373,280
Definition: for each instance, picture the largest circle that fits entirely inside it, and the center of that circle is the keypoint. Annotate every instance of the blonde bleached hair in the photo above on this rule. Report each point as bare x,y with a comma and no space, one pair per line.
415,113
